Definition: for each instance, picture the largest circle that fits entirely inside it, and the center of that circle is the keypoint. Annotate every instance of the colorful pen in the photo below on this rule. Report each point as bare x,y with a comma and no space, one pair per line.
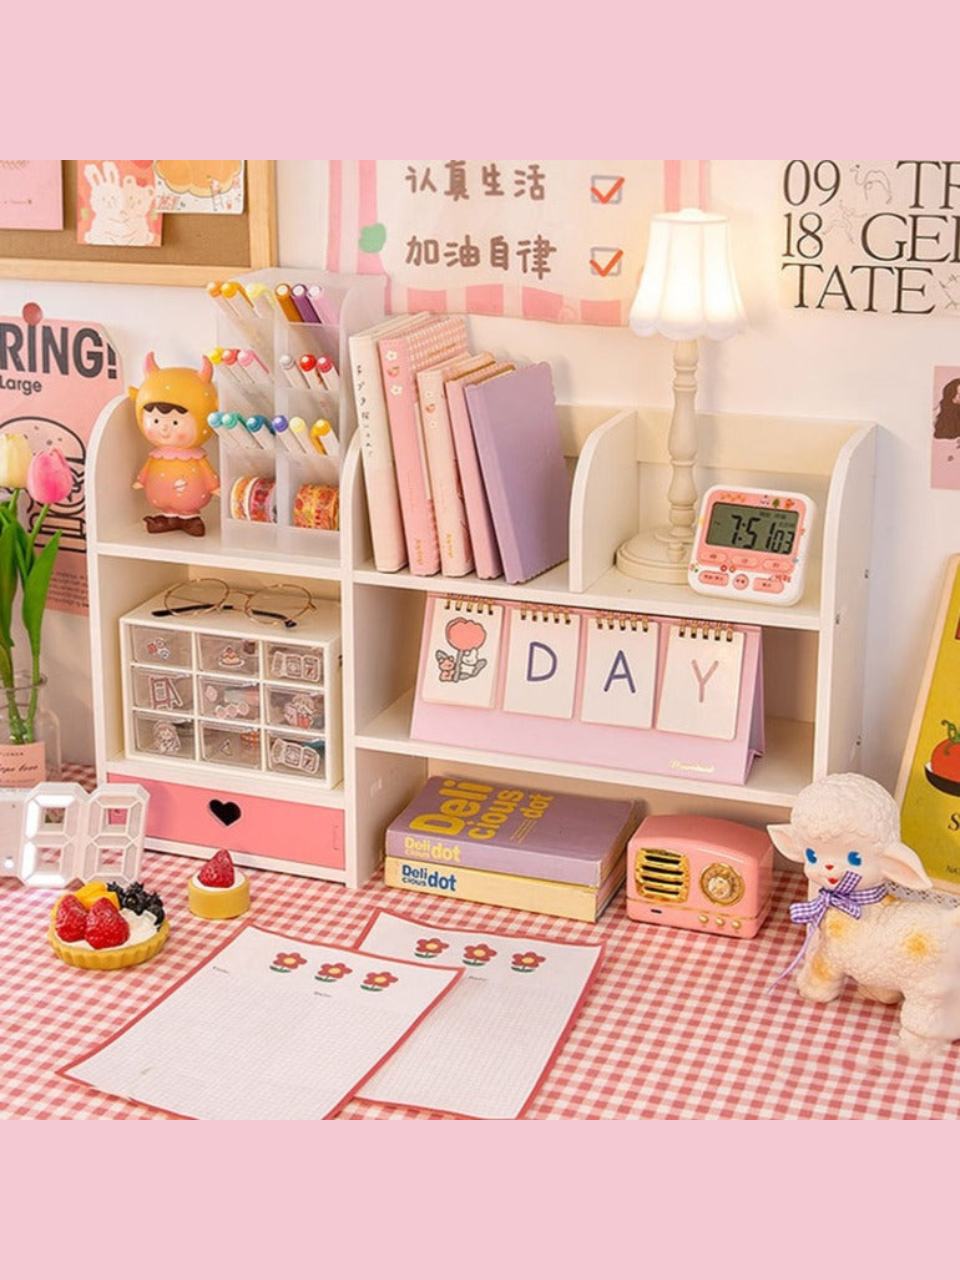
261,298
291,371
236,297
324,437
301,300
281,431
327,373
282,294
322,304
301,434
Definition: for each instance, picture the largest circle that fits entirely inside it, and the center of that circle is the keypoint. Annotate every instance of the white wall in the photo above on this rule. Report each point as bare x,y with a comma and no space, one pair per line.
789,362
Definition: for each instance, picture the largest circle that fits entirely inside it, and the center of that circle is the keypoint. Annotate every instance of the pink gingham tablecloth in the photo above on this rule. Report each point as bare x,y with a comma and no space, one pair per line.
678,1025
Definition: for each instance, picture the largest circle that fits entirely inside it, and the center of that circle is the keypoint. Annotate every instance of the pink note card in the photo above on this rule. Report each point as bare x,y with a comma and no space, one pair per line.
117,203
31,195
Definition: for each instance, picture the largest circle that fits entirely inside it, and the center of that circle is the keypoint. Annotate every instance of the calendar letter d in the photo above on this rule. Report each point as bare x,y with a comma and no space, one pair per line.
535,670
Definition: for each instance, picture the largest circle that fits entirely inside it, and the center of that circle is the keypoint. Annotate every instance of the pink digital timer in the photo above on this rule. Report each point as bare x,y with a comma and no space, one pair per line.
752,544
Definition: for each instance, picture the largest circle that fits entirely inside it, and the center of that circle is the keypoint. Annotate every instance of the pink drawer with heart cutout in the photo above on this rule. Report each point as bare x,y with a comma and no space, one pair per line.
196,816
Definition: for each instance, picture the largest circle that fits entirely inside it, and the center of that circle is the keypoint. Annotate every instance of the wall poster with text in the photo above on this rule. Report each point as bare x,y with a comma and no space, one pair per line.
55,377
559,240
871,235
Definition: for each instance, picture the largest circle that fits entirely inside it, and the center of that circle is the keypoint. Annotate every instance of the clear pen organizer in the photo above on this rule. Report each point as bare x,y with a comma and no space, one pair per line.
232,694
272,499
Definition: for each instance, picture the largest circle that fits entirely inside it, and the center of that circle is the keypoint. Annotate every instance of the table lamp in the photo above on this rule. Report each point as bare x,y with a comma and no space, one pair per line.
688,291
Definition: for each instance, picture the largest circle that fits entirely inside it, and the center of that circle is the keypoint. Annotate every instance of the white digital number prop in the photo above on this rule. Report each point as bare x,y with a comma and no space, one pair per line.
57,833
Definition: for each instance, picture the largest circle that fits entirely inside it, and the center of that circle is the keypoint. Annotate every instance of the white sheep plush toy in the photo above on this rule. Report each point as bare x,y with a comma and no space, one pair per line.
845,829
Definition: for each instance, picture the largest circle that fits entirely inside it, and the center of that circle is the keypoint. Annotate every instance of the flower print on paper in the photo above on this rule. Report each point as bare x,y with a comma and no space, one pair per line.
526,961
332,972
478,953
428,948
287,960
378,981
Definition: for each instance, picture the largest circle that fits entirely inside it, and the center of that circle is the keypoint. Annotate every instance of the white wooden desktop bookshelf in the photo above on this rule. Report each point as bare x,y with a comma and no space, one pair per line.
812,651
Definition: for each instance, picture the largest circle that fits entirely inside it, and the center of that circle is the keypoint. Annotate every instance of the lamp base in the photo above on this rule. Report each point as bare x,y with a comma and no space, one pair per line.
655,556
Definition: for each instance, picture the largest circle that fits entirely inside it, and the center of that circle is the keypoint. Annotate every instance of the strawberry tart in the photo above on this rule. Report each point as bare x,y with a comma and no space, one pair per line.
108,926
219,891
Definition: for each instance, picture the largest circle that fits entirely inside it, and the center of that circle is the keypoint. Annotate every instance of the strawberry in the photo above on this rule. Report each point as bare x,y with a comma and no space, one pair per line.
218,873
70,920
106,927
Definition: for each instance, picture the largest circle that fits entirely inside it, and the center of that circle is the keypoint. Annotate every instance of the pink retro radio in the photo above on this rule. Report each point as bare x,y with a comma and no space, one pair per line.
700,873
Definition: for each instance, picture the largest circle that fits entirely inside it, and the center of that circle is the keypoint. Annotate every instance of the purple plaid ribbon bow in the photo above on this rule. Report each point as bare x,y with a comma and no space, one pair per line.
845,897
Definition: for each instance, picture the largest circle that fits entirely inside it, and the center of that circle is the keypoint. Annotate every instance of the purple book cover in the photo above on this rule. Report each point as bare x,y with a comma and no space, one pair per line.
517,435
571,839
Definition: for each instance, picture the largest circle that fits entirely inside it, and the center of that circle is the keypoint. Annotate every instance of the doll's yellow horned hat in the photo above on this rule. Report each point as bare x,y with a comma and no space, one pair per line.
191,389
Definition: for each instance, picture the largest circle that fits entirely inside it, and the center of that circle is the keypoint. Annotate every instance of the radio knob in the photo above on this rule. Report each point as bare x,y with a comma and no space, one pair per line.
720,921
736,923
704,918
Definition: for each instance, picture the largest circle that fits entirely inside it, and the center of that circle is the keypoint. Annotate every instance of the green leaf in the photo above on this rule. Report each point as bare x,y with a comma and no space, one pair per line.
8,581
35,590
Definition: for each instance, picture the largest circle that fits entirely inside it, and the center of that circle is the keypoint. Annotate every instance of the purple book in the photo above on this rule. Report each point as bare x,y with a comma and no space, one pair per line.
517,436
491,826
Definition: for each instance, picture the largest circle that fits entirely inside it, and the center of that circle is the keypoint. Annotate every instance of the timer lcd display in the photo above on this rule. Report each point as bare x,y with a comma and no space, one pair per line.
769,529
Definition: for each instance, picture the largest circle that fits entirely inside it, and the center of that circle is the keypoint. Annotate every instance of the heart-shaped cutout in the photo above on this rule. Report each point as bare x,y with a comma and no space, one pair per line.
224,811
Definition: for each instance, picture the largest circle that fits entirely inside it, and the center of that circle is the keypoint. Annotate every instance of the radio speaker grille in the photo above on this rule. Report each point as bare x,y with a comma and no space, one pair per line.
662,876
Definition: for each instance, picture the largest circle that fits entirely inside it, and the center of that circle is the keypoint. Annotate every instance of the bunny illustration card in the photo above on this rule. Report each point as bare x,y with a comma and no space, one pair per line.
117,203
461,651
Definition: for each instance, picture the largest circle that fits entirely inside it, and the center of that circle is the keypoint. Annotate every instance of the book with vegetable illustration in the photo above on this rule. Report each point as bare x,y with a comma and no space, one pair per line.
929,785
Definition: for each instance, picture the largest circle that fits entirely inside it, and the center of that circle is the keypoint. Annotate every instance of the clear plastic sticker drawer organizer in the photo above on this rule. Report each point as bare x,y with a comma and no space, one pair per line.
235,680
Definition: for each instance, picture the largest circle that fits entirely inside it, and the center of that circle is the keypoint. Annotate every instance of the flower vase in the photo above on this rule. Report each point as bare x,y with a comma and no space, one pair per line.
29,735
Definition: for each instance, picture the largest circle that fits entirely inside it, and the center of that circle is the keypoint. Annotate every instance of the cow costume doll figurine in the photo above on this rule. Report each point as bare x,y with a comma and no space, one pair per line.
172,407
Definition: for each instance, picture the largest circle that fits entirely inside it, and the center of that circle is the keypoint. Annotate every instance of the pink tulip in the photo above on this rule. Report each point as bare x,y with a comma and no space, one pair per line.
49,479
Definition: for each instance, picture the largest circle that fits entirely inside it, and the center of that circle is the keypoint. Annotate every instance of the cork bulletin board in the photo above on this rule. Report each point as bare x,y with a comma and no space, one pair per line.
196,247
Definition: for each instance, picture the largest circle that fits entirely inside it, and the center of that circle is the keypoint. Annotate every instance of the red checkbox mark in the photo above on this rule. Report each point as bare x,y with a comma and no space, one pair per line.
612,262
606,197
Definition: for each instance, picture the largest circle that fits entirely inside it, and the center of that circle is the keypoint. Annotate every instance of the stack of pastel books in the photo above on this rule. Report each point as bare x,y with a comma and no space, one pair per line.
498,844
462,454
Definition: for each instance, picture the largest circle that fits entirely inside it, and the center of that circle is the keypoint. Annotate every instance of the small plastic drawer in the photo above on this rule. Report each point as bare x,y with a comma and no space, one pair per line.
236,654
160,646
291,708
168,736
221,698
303,663
231,745
301,755
157,690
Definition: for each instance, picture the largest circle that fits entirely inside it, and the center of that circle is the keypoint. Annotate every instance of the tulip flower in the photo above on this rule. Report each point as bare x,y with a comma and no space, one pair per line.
15,458
48,480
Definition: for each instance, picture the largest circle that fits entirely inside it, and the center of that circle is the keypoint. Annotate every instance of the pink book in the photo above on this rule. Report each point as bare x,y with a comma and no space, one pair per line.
517,435
572,839
376,447
456,552
486,555
402,356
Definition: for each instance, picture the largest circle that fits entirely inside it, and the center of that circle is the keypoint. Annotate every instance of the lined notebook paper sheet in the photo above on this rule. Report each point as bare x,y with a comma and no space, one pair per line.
269,1028
620,670
700,688
542,649
484,1049
462,657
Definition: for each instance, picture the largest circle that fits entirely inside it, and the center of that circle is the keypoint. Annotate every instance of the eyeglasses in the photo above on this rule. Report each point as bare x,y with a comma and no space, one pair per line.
283,603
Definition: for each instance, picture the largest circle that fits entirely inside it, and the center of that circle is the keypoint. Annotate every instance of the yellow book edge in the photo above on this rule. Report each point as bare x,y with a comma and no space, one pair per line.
497,889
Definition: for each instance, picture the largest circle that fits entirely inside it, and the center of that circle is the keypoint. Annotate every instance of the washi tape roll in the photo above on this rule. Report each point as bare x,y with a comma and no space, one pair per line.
238,497
254,498
317,506
262,501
